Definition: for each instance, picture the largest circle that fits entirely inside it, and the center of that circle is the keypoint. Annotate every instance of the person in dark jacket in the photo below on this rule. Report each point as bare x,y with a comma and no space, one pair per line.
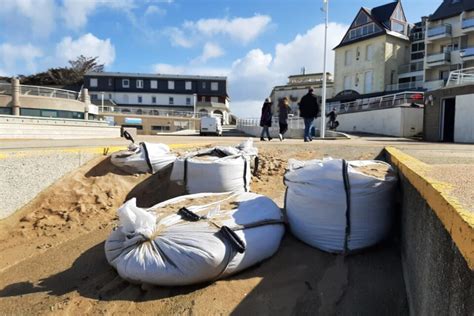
309,108
333,124
283,110
266,119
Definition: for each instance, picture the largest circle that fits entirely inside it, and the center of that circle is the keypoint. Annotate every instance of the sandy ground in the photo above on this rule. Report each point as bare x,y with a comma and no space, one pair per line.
53,258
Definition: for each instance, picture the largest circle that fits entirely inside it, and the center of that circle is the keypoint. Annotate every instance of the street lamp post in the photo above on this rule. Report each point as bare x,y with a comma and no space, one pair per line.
322,133
194,104
102,101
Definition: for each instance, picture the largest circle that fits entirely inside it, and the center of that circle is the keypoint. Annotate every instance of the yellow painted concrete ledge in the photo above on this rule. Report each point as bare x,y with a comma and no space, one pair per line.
458,221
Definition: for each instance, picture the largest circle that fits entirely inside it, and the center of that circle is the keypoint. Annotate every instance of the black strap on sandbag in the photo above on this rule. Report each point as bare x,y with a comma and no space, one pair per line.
188,215
233,238
127,136
245,174
185,171
147,157
347,190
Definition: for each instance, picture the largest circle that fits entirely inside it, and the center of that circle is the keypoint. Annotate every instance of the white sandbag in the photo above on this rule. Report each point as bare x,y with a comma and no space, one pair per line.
218,169
146,157
317,205
158,246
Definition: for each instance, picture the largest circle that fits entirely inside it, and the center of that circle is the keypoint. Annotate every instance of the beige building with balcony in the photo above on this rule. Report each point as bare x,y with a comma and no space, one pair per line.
449,41
376,44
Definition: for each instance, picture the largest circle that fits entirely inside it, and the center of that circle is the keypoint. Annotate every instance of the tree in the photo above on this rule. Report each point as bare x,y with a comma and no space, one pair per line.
65,76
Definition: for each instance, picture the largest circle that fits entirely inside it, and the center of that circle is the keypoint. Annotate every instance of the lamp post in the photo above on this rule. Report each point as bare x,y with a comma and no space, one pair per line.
194,104
322,133
102,101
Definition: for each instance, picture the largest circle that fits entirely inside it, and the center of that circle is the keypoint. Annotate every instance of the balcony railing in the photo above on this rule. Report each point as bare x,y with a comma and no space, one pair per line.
439,30
403,69
468,23
441,57
467,52
148,111
404,86
48,92
461,77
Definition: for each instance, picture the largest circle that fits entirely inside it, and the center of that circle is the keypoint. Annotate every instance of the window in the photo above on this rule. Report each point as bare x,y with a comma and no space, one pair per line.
110,82
171,100
214,86
348,58
399,14
139,83
110,96
154,84
188,101
160,128
49,113
153,99
125,83
361,19
347,83
363,31
94,96
139,99
398,27
170,84
93,82
214,99
188,85
204,85
369,53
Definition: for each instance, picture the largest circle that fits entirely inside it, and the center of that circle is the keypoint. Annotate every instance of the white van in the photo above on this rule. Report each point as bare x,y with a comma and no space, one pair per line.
211,125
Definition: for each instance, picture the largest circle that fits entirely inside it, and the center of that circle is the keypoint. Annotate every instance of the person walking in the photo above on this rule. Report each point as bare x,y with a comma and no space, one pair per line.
309,108
266,119
332,119
283,110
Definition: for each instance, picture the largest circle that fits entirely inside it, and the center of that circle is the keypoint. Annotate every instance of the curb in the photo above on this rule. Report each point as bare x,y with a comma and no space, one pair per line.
458,221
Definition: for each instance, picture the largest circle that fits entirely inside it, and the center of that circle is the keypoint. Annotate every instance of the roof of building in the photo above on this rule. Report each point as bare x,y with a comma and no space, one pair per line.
158,76
381,16
449,9
310,75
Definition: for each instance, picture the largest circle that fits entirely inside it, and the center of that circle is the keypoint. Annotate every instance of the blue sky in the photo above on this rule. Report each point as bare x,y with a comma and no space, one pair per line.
255,43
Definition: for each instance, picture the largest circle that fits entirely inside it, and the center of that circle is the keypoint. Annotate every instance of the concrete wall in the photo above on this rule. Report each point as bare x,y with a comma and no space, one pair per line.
464,119
399,121
438,265
27,173
53,128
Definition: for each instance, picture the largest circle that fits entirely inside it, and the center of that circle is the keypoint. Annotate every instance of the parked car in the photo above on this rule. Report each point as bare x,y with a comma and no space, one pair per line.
211,125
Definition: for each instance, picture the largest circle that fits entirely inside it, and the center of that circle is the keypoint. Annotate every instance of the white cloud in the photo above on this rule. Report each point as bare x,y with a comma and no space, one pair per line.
39,15
252,77
189,70
241,30
153,9
75,13
17,58
209,51
87,45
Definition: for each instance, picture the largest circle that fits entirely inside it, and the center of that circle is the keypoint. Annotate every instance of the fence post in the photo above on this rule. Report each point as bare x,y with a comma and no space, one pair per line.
16,96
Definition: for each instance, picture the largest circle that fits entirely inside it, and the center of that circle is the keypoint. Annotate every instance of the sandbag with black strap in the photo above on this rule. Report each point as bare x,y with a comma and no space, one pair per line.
194,238
340,206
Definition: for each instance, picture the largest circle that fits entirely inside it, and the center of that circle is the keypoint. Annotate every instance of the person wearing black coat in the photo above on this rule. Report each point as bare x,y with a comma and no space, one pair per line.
309,108
266,119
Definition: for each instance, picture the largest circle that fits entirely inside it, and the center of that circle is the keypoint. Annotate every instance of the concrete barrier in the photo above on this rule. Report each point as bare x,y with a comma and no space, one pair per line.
54,128
437,242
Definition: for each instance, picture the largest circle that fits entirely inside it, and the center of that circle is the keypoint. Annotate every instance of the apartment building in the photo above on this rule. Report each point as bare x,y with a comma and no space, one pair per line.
137,92
449,41
368,58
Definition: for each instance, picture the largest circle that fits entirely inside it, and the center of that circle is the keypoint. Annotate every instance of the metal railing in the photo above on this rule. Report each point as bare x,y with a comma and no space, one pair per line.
439,30
412,67
149,111
405,86
5,88
467,23
48,92
293,122
467,52
382,102
461,77
440,57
